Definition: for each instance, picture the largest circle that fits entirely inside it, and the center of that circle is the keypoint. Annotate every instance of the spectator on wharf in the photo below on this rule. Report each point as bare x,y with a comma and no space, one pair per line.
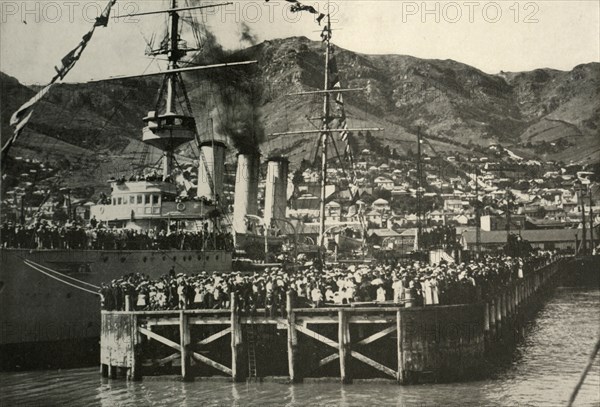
409,283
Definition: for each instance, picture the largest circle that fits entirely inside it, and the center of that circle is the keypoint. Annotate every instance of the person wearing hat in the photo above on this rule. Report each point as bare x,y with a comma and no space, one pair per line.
316,296
398,288
142,296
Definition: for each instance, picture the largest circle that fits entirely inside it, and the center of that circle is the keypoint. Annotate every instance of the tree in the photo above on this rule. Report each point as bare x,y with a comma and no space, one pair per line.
297,178
382,193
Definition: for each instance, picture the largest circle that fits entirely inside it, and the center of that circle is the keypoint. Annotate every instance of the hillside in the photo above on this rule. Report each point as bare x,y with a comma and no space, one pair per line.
549,114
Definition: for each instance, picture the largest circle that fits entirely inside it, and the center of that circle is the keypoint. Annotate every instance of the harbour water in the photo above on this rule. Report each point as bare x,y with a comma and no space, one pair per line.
542,370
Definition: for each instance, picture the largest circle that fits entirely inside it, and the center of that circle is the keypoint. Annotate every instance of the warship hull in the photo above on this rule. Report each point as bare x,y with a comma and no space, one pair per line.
37,309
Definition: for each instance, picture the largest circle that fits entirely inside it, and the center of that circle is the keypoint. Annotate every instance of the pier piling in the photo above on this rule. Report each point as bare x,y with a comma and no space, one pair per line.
236,342
292,340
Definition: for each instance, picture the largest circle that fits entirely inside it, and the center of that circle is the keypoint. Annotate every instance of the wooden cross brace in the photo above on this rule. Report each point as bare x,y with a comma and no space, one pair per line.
352,353
198,357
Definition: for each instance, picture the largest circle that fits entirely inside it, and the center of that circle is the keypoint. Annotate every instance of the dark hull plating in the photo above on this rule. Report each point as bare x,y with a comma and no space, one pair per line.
39,309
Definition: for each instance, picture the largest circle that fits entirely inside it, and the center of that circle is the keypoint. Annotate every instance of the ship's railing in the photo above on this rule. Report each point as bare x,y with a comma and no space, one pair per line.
79,238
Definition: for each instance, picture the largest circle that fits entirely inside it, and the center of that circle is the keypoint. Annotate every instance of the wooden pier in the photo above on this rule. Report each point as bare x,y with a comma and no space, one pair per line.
404,344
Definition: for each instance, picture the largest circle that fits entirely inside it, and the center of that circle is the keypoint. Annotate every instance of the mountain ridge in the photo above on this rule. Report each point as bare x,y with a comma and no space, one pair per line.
545,113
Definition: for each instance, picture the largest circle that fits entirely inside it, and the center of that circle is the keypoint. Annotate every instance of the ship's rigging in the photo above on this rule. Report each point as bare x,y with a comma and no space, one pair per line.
171,123
332,90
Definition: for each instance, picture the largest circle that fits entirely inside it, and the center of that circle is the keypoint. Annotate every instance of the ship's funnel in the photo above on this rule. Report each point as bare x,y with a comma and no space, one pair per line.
246,191
276,189
210,170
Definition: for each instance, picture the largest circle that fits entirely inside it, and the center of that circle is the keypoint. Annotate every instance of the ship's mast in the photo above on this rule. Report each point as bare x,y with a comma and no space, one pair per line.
419,189
173,56
325,131
324,137
171,125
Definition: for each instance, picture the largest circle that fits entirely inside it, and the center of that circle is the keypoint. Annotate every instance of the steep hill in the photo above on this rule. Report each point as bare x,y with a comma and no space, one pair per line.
545,113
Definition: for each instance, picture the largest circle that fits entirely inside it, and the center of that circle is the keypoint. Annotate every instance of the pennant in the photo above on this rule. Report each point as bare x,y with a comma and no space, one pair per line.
69,60
325,34
23,113
102,20
20,126
297,7
88,36
301,7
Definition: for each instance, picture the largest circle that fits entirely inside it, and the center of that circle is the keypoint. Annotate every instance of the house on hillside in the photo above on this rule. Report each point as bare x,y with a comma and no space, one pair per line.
333,211
455,205
381,205
438,217
384,183
375,217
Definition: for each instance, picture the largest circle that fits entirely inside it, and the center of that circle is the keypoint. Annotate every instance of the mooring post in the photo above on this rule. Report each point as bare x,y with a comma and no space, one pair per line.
184,342
292,339
400,372
343,344
236,341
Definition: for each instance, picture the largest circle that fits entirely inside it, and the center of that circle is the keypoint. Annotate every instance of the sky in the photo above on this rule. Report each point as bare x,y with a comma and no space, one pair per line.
494,36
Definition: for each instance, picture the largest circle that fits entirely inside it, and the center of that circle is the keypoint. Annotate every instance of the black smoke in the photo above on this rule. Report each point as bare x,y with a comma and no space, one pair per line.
235,93
247,36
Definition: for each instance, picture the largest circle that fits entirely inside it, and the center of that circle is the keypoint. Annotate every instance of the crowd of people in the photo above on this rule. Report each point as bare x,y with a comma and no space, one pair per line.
45,235
404,283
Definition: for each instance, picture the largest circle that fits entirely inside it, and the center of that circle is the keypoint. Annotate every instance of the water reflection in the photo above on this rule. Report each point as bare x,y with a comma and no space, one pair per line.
291,395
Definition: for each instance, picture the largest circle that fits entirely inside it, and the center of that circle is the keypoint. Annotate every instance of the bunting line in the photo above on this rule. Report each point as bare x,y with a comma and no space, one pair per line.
21,117
298,7
334,83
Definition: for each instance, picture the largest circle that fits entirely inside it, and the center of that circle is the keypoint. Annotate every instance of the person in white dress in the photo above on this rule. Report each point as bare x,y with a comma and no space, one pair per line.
381,294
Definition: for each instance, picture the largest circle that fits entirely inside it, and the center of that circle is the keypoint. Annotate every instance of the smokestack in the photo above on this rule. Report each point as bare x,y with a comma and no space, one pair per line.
211,169
276,189
246,190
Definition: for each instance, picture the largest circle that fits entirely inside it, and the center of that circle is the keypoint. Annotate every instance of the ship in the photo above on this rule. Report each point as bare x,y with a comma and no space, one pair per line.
49,296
